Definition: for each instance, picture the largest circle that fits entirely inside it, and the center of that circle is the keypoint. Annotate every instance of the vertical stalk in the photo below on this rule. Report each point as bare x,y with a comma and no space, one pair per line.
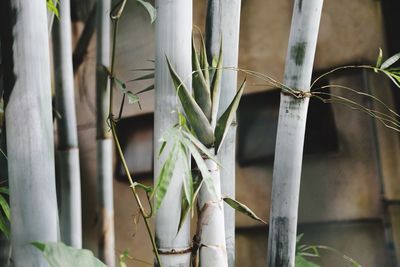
29,129
223,20
104,141
173,39
213,249
68,153
290,135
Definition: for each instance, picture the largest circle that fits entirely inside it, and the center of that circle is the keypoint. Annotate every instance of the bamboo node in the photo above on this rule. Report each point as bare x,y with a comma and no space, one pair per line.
298,94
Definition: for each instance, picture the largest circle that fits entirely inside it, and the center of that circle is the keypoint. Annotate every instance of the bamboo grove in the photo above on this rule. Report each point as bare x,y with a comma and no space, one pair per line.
196,98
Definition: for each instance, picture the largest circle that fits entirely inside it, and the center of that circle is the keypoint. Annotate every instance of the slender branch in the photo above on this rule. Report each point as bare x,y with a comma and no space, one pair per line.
115,18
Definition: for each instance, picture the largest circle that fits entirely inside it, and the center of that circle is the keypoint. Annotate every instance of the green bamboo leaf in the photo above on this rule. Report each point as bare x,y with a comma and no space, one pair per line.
300,261
5,207
60,255
195,115
3,226
379,59
187,179
201,89
151,87
4,190
144,77
121,84
122,258
200,146
197,183
132,98
390,61
165,176
185,207
216,89
164,143
52,7
242,208
145,69
205,174
226,119
395,78
150,9
203,61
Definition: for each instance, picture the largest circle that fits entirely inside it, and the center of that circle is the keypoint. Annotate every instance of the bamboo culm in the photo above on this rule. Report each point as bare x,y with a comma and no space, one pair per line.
29,130
211,221
290,135
173,35
68,153
106,241
223,21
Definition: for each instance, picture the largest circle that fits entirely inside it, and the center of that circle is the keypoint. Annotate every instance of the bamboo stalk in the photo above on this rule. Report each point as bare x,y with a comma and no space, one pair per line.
68,153
290,135
29,129
213,249
173,35
223,20
104,141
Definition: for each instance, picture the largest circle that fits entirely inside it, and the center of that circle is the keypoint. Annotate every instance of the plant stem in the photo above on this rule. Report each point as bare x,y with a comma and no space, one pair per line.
115,137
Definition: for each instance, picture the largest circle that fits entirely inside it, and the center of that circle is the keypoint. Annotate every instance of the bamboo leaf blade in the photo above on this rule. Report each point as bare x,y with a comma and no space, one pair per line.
149,88
4,227
5,207
300,261
194,114
60,255
150,10
200,86
144,77
242,208
204,62
165,176
202,167
390,61
216,88
379,59
226,119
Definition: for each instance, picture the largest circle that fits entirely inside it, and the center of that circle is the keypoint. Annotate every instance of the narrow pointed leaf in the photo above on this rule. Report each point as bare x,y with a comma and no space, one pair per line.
165,176
226,119
379,59
195,115
185,207
202,167
5,207
201,88
242,208
145,69
395,78
151,87
187,179
204,62
3,226
150,9
197,183
216,89
4,190
390,61
60,255
144,77
302,262
132,98
201,147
